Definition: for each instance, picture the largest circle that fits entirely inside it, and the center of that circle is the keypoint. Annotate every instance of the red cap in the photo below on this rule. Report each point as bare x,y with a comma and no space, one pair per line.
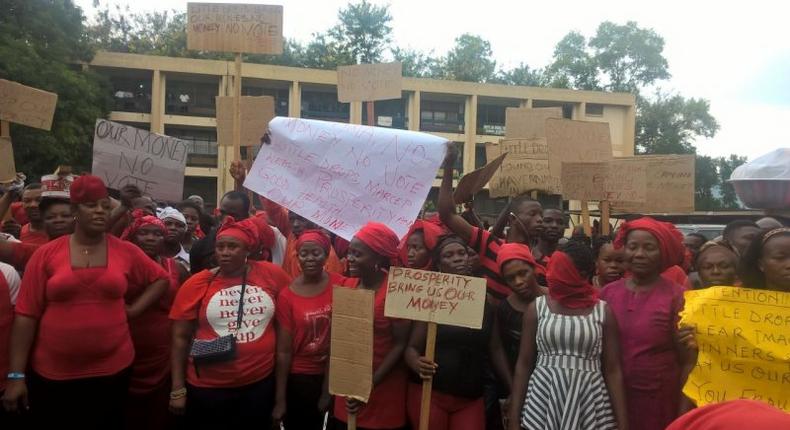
88,188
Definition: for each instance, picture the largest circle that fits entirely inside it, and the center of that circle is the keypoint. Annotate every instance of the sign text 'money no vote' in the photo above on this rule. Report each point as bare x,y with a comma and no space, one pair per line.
340,176
125,155
442,298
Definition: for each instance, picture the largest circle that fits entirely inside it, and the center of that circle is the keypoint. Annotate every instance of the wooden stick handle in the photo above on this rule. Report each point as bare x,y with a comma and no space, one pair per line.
586,218
237,110
605,217
371,113
352,422
427,384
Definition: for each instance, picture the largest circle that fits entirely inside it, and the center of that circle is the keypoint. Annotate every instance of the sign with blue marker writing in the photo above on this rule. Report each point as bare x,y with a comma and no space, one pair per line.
126,155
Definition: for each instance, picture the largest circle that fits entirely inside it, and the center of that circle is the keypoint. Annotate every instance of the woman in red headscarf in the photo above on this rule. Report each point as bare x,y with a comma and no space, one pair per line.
370,254
304,312
647,306
72,318
415,250
149,388
223,349
568,370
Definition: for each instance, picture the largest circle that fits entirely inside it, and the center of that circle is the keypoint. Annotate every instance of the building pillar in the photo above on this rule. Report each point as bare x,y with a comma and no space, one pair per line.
579,110
158,96
629,134
355,112
413,108
295,100
470,131
525,103
224,153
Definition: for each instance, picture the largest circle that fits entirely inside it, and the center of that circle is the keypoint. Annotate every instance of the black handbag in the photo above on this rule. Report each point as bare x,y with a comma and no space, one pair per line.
223,348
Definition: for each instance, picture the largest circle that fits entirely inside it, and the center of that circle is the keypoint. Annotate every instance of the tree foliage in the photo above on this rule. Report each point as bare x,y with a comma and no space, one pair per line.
42,43
471,59
363,31
669,124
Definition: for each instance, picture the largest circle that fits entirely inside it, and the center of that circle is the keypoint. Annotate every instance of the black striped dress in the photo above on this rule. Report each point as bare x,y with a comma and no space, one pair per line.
566,390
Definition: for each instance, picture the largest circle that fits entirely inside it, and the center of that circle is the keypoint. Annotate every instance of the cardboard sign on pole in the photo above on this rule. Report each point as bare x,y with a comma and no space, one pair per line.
576,141
7,166
528,123
351,350
25,105
474,181
670,185
224,27
584,181
256,112
526,167
369,82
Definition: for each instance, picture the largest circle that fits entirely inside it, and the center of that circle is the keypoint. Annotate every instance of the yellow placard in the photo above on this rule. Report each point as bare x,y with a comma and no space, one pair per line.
744,345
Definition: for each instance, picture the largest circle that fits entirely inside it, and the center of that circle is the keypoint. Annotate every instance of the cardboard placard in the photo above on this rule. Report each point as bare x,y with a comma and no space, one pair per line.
340,176
351,344
224,27
25,105
741,334
584,181
473,182
526,168
627,180
7,166
670,185
528,123
442,298
369,82
256,112
126,155
576,141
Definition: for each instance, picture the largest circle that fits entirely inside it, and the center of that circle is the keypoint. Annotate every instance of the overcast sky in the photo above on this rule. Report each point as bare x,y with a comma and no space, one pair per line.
735,54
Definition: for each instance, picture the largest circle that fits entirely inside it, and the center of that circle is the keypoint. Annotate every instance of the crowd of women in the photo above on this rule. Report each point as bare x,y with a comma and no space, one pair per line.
133,314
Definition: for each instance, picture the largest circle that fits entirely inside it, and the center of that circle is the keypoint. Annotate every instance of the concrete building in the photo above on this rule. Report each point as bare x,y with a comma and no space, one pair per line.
175,96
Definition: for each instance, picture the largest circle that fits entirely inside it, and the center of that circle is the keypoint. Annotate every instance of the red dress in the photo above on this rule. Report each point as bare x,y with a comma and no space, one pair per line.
386,407
651,369
81,313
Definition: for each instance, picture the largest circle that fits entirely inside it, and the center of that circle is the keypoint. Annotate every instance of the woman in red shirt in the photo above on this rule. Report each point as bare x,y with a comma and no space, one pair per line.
236,301
304,312
149,388
370,253
72,320
58,221
419,242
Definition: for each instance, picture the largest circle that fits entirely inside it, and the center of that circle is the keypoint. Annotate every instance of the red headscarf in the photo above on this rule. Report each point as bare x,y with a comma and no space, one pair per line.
566,285
315,236
733,415
514,251
670,239
139,220
88,188
380,238
431,229
245,231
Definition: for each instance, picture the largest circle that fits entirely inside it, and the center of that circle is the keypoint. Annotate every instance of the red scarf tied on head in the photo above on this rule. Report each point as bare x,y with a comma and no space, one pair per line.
431,229
566,284
380,238
670,239
316,236
514,251
88,188
246,231
139,220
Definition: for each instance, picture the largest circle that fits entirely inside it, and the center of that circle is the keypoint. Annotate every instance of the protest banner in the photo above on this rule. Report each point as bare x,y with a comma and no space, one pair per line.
584,181
528,123
526,167
744,345
576,141
369,82
669,185
25,105
627,180
351,345
7,166
340,176
256,112
223,27
126,155
436,298
474,181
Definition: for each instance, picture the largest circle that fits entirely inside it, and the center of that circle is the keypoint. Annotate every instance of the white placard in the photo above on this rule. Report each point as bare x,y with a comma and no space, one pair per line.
340,176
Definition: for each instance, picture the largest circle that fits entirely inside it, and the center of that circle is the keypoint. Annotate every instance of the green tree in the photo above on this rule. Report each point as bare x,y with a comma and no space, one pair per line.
669,124
706,178
417,64
41,44
572,66
726,165
471,59
364,31
520,75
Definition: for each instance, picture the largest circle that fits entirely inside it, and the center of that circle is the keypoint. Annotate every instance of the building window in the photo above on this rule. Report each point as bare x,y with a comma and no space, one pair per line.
593,109
389,113
191,98
567,108
280,97
205,187
480,155
491,120
447,117
201,145
131,94
324,106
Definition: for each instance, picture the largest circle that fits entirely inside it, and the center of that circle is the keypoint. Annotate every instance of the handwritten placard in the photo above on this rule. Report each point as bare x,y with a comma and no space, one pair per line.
576,141
25,105
369,82
222,27
744,351
584,181
626,180
528,123
474,181
670,185
526,167
256,112
351,343
340,176
7,166
437,297
126,155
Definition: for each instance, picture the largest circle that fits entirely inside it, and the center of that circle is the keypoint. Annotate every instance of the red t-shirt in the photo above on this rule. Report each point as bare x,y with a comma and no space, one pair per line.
21,253
255,341
32,237
487,247
6,319
81,313
386,407
308,320
151,336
